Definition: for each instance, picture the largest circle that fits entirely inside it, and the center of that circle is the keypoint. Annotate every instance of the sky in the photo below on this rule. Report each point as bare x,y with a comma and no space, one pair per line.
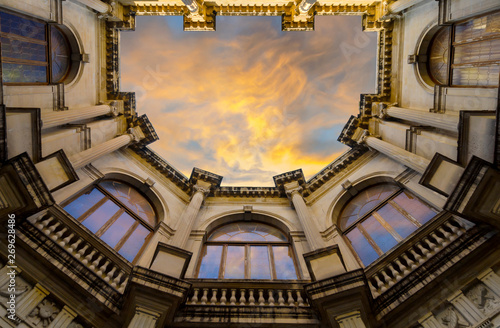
248,101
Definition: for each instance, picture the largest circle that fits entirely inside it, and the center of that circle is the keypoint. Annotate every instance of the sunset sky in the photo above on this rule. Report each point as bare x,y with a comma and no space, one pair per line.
248,101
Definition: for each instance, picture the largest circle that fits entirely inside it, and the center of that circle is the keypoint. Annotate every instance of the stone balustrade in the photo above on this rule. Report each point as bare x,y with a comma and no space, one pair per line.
382,278
265,296
84,246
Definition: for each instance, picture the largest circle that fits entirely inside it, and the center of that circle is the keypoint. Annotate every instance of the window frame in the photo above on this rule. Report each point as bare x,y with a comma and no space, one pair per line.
247,260
47,43
451,53
388,200
109,222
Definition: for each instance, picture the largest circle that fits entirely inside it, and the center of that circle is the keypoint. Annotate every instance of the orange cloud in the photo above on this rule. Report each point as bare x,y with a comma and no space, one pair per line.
248,104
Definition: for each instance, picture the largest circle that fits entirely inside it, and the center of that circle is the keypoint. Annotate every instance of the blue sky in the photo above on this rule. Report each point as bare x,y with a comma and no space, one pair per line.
248,101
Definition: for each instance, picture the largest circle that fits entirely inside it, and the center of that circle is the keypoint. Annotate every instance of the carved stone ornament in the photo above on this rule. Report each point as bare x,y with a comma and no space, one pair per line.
45,312
203,190
453,320
290,192
483,298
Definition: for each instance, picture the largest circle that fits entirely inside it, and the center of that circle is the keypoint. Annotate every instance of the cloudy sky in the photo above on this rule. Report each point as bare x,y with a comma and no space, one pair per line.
248,101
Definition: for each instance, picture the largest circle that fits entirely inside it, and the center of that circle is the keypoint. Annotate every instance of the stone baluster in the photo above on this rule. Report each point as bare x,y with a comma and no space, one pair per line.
204,298
409,261
213,300
103,268
116,281
300,300
98,5
251,298
232,300
281,300
271,297
57,118
67,241
261,297
81,253
373,289
194,299
96,262
223,299
31,300
290,300
242,300
110,274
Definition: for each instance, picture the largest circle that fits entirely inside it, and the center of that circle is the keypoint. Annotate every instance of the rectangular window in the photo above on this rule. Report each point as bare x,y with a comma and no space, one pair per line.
259,263
235,262
210,263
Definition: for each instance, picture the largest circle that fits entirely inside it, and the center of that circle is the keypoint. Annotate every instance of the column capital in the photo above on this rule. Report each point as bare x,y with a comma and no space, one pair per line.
146,132
293,188
205,190
288,181
204,179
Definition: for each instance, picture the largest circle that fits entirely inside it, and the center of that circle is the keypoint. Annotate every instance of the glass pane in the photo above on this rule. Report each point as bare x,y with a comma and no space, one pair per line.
479,76
134,243
23,50
80,205
398,221
476,52
439,54
362,247
283,263
22,26
259,263
96,220
478,28
131,198
247,231
235,262
117,230
420,211
18,73
210,263
60,54
379,234
364,202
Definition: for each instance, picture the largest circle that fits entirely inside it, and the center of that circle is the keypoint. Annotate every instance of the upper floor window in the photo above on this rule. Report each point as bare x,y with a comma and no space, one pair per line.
118,214
247,250
380,217
33,52
467,53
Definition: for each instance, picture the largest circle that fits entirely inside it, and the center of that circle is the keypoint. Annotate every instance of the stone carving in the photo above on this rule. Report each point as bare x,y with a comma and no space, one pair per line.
45,312
483,298
453,320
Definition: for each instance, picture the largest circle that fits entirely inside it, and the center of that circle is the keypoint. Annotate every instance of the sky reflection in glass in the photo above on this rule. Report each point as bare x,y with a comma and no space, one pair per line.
247,231
235,262
285,269
210,263
259,259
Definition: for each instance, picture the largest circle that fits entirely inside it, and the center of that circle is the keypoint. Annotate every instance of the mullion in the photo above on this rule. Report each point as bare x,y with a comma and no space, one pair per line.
387,227
376,208
405,213
92,209
126,236
370,240
271,261
108,223
222,268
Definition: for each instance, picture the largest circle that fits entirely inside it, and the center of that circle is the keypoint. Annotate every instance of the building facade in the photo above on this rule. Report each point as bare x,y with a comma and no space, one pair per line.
400,231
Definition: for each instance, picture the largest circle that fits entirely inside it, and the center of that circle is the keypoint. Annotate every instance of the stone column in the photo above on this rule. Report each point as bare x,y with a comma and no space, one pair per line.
52,119
441,121
415,162
350,320
201,189
429,321
293,191
305,5
97,5
144,318
30,301
347,256
88,156
63,318
466,307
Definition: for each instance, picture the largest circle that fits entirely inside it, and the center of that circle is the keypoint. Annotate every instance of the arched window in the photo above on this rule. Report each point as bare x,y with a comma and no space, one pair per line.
118,214
381,216
33,52
467,53
247,250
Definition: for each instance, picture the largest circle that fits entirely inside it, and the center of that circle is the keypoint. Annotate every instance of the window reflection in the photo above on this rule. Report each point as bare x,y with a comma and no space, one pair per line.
118,214
380,217
247,250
